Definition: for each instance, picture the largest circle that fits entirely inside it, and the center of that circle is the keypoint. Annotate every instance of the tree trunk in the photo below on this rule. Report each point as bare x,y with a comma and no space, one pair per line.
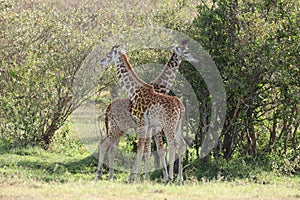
272,131
251,135
227,146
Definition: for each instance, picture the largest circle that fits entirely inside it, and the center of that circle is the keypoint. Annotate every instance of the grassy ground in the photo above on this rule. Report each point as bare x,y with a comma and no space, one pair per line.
68,174
20,189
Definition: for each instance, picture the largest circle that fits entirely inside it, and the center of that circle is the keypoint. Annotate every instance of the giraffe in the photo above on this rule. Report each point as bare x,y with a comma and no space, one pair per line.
149,110
118,115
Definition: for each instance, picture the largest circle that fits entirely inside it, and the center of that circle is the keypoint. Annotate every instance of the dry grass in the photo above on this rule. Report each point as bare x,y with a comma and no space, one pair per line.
16,189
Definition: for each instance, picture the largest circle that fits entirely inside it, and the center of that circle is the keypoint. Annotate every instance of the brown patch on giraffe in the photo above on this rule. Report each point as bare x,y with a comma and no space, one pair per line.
168,73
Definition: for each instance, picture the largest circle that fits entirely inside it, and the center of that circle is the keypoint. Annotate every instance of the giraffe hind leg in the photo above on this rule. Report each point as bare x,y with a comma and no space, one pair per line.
112,154
172,153
181,150
103,146
161,153
181,147
172,145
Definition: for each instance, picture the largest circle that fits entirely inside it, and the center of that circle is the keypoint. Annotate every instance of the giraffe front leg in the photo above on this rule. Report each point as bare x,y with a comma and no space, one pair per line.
147,153
137,166
143,133
147,156
140,153
132,173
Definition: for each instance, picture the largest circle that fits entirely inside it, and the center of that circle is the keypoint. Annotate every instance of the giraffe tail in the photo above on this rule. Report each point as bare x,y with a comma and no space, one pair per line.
106,118
179,130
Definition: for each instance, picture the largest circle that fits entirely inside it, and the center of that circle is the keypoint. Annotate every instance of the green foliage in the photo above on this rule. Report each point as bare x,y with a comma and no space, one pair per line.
263,169
43,45
254,45
63,141
286,164
42,48
41,53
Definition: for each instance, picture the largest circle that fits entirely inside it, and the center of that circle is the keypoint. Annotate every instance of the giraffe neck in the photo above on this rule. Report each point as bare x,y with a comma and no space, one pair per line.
165,80
130,82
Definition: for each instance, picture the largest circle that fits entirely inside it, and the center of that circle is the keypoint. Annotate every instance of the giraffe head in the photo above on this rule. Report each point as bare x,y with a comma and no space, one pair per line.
183,52
111,57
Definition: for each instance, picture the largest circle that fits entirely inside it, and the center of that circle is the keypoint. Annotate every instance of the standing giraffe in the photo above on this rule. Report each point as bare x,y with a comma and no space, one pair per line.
118,115
149,110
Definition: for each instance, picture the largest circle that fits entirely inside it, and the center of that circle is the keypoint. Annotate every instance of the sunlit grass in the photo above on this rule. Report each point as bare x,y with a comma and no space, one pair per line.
34,173
13,188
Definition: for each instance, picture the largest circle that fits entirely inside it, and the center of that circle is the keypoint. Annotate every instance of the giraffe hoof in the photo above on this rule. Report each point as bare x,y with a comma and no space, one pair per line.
130,181
131,178
96,179
147,178
138,181
98,176
179,183
167,181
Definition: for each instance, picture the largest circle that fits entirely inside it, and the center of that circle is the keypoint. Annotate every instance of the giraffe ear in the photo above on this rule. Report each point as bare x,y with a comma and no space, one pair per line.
114,48
173,46
169,48
102,62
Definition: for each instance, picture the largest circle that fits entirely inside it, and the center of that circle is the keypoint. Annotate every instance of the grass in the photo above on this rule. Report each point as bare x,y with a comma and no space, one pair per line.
67,173
38,164
17,189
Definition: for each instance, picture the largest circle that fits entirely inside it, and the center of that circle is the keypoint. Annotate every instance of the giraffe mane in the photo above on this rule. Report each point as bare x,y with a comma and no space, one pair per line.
132,72
165,68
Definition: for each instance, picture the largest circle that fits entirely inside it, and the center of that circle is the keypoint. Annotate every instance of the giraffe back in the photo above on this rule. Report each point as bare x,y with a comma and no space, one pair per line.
152,105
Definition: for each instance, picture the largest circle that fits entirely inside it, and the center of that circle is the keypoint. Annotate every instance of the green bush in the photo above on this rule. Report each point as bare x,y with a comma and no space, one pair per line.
42,46
254,45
